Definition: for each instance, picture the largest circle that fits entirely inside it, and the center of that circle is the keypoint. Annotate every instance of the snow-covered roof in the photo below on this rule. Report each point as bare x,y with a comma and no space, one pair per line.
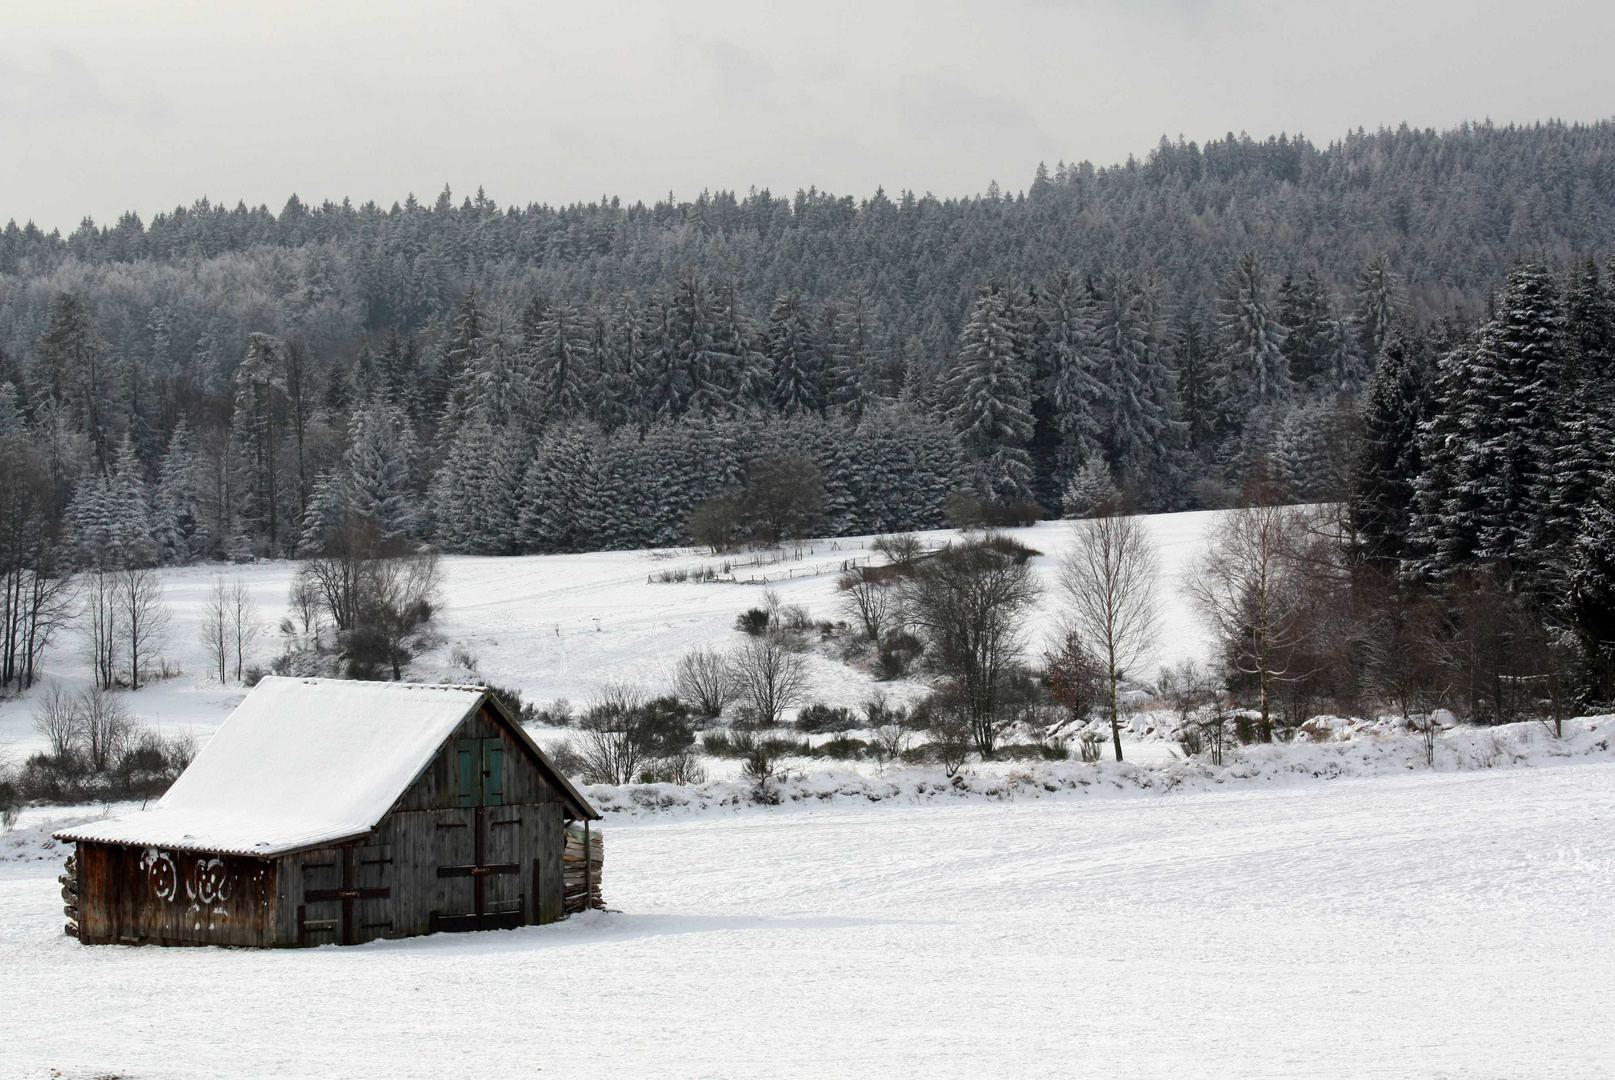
300,763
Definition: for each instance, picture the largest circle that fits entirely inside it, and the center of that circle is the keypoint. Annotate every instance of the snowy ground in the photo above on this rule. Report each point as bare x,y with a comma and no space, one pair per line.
558,626
1428,924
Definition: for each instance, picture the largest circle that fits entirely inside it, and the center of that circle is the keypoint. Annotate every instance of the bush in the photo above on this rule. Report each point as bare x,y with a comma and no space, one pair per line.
819,719
706,680
1190,739
898,651
1089,745
717,744
755,621
10,803
1058,750
842,748
524,711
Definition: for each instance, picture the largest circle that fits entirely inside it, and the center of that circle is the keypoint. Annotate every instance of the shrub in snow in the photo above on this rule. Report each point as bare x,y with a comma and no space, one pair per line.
705,680
818,719
754,621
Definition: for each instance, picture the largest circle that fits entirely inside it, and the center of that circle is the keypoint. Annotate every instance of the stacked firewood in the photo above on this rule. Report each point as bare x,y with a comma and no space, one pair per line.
70,896
580,873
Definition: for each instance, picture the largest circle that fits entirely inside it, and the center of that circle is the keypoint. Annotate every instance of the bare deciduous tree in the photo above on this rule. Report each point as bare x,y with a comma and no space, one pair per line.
609,746
215,633
784,495
706,681
56,719
399,596
771,678
245,625
1257,586
868,599
104,727
142,617
1108,579
971,602
98,624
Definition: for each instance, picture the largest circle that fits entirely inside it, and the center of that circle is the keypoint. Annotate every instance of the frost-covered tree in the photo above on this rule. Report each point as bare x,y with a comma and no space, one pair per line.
1256,373
1075,394
1378,301
798,377
1388,459
377,470
990,388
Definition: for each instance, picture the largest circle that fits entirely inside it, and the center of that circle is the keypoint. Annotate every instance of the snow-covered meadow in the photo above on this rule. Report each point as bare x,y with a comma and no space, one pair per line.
1328,908
560,626
1428,924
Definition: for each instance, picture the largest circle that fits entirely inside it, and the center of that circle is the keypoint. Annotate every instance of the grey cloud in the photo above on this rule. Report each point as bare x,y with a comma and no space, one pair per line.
65,89
738,71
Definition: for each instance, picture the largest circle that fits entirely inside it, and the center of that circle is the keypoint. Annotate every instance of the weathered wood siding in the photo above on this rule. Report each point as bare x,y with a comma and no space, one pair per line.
439,787
141,896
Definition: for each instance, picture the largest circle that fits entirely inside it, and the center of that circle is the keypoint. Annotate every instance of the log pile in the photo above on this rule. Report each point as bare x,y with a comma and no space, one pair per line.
580,874
70,896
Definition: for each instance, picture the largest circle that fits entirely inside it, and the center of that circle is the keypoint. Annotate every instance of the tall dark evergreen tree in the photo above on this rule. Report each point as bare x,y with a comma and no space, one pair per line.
991,391
798,379
1388,461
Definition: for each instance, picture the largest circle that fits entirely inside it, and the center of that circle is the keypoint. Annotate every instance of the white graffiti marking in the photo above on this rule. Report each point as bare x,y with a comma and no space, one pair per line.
160,873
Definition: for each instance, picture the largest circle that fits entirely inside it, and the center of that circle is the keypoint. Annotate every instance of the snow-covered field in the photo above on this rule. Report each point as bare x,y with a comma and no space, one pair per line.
558,626
1432,924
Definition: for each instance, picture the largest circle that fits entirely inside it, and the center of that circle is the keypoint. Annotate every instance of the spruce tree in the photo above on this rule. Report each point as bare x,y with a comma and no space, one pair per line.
1072,386
1577,451
1504,414
798,378
1378,301
1388,460
990,388
1256,373
377,468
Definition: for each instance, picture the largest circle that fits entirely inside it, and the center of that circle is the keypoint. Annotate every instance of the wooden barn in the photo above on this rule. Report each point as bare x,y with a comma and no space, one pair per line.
327,811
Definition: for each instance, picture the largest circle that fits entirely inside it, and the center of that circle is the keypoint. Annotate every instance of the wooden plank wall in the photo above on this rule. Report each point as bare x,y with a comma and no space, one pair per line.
134,895
439,787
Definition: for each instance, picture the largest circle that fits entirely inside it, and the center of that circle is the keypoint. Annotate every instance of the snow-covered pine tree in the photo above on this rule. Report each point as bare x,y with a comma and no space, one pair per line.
1075,394
705,368
1378,300
1199,407
1089,488
556,351
858,357
377,468
1504,415
1256,373
621,369
665,379
991,394
1388,461
458,355
1578,448
750,379
798,379
177,501
476,493
1138,427
1590,587
326,509
1311,341
558,488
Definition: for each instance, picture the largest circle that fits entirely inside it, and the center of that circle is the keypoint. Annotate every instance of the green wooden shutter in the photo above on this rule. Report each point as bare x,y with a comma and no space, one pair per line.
493,776
469,788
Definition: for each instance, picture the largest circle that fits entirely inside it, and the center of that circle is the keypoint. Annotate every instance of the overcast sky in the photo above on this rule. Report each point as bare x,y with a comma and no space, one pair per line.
112,106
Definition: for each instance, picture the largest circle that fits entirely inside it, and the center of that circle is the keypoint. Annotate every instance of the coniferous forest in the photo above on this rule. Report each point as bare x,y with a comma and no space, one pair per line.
1416,325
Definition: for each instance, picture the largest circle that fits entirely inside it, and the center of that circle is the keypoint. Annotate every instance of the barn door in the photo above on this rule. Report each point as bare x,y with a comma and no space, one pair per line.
343,894
479,877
